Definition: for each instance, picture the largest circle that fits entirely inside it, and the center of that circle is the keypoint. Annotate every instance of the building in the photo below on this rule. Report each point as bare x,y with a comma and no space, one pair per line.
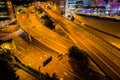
71,5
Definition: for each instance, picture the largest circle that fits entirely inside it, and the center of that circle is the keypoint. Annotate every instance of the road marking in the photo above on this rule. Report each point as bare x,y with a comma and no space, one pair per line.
66,74
22,16
41,58
61,78
46,55
29,64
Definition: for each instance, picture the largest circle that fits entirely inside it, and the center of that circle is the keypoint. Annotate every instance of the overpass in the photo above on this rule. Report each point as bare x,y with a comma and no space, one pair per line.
14,34
37,30
103,54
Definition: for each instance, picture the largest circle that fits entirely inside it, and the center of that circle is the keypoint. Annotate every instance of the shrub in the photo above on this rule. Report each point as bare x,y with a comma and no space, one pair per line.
79,55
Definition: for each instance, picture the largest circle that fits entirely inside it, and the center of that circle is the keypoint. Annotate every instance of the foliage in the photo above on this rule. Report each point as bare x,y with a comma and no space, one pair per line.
8,45
7,70
47,22
79,55
47,77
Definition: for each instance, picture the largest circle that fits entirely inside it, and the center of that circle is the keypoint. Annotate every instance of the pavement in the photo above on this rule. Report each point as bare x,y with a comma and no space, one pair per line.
24,75
34,56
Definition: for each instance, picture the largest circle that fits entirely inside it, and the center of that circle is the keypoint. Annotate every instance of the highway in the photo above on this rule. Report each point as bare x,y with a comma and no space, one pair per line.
61,45
25,51
106,24
107,57
34,54
48,38
60,69
12,35
101,34
7,23
43,34
34,57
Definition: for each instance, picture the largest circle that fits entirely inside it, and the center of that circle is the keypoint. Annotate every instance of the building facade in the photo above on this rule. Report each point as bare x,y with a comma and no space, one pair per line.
68,7
71,5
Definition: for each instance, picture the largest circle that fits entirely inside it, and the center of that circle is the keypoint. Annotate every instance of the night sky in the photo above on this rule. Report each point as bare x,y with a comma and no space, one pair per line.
21,1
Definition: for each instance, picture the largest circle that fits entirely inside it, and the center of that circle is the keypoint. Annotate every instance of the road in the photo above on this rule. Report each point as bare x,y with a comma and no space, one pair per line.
110,39
10,8
12,35
46,36
7,23
34,54
43,34
107,57
101,23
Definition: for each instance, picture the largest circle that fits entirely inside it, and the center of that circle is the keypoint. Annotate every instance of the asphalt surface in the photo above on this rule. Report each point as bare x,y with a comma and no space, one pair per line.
43,34
33,54
105,55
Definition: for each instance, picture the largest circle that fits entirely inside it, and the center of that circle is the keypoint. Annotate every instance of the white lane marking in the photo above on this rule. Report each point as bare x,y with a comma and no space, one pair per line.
46,55
41,58
66,74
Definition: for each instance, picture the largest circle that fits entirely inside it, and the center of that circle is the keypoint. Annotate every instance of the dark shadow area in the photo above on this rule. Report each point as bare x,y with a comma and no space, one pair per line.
7,68
46,20
85,73
2,41
24,36
21,2
80,64
9,63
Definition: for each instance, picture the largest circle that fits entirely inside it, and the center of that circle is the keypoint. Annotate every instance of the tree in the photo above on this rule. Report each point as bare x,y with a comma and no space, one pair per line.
7,70
47,22
79,55
48,77
54,77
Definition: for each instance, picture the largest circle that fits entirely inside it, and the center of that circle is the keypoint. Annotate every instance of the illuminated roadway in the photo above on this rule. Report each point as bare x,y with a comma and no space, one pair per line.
43,34
106,24
49,39
106,56
104,36
14,34
26,53
7,23
34,54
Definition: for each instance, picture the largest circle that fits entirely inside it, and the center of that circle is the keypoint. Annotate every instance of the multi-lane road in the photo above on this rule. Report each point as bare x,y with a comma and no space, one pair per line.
50,39
34,54
37,30
106,56
109,37
106,24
